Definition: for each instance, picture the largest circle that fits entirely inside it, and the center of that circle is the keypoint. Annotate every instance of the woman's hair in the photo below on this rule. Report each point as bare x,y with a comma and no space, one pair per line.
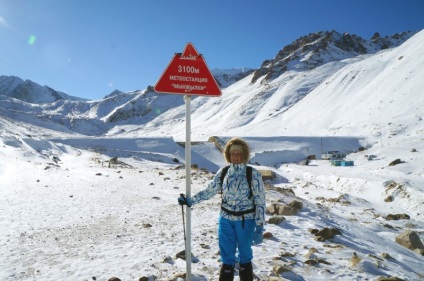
239,142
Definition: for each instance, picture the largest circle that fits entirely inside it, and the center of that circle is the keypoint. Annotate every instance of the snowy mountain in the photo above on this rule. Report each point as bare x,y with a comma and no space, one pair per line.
226,77
88,189
30,92
316,49
297,70
386,83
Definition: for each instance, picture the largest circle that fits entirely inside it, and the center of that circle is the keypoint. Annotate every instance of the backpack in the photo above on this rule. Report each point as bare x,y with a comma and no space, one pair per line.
248,176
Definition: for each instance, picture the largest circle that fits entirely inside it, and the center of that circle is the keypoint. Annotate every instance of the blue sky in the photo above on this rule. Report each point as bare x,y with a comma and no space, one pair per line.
88,48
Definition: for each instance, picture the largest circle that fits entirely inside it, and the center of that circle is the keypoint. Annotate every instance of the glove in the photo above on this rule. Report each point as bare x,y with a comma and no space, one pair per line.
258,235
183,200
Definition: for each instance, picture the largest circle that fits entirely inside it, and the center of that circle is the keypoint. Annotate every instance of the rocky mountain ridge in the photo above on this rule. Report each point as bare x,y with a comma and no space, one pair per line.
146,110
322,47
31,92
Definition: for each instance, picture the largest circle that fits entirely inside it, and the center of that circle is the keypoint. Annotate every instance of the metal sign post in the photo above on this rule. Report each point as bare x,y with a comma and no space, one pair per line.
187,100
188,74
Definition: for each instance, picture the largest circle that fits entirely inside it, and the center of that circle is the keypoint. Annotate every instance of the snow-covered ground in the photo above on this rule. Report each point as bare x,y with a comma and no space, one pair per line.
70,211
67,214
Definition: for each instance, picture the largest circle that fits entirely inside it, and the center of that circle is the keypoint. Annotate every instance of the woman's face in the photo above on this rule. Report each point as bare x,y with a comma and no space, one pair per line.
236,157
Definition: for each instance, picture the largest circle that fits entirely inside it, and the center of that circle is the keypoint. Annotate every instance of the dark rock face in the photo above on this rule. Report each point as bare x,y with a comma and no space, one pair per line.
322,47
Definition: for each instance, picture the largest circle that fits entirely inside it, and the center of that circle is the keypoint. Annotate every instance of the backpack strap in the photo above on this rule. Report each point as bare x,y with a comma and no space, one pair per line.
248,176
249,179
223,173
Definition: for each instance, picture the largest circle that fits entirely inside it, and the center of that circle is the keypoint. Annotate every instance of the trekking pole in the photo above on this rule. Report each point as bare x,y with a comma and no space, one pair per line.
182,210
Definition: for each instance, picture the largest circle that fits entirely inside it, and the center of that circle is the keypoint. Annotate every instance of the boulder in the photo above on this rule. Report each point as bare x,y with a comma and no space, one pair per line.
325,233
389,278
276,219
280,268
281,209
296,204
410,240
267,175
419,251
395,162
397,217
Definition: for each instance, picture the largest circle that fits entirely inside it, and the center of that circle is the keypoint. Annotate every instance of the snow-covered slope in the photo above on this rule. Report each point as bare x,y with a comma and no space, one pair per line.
30,92
88,189
380,94
368,95
316,65
226,77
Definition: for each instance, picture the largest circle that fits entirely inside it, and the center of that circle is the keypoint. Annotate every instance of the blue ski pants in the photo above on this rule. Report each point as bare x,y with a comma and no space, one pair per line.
232,235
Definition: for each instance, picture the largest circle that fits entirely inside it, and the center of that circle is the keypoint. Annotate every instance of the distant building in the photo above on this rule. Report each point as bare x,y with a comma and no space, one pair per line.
341,163
332,155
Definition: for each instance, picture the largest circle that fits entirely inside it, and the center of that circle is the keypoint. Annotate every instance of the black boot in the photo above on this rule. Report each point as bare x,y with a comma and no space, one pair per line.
246,272
226,273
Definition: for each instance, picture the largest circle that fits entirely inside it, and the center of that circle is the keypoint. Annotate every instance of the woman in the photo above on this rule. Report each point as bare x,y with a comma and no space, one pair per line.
242,215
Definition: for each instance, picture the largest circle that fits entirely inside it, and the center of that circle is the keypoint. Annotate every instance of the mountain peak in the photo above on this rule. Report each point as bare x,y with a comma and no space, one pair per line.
315,49
30,92
305,82
226,77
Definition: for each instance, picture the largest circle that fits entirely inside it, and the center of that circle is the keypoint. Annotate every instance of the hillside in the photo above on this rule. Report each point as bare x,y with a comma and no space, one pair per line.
320,66
89,189
374,96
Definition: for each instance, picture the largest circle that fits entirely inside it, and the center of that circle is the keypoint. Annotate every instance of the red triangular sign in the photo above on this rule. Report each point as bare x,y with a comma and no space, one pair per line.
190,51
188,74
